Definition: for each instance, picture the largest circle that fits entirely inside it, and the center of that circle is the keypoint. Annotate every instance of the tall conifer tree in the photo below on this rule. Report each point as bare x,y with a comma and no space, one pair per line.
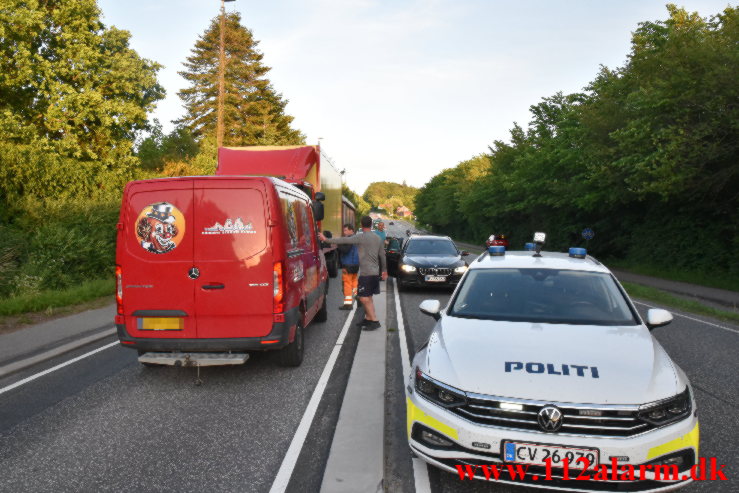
254,113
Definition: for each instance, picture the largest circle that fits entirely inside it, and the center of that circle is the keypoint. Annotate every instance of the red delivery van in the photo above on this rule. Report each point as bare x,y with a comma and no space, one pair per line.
209,268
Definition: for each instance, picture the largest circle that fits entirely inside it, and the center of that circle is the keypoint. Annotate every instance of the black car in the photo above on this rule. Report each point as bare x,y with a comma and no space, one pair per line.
392,253
430,261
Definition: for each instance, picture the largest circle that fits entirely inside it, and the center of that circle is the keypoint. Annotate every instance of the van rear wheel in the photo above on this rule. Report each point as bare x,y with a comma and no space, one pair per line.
292,354
322,314
332,265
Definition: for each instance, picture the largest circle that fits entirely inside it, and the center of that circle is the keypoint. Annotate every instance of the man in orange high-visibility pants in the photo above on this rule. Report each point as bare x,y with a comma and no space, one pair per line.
349,257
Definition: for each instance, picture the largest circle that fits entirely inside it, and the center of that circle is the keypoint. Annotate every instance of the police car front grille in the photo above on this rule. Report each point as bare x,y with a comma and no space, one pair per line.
435,271
576,420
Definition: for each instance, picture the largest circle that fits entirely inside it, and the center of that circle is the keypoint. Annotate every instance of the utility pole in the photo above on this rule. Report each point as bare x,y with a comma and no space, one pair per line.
221,74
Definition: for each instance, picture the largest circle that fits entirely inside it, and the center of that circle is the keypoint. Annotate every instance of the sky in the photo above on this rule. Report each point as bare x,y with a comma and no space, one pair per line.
398,90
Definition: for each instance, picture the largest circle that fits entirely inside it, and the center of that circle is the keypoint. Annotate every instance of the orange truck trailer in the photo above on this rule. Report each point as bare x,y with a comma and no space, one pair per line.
307,168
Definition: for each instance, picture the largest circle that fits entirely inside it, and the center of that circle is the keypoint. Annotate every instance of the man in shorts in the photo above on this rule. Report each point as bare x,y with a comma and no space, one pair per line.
372,268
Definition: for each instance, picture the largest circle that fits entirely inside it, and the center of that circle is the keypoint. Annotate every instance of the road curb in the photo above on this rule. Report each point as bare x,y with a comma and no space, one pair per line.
53,353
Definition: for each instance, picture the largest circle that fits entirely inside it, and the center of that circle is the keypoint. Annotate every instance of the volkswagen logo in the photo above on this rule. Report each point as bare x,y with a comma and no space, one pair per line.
193,273
550,418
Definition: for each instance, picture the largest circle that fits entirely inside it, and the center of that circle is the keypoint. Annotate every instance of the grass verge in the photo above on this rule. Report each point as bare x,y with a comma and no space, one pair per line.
730,283
658,296
48,301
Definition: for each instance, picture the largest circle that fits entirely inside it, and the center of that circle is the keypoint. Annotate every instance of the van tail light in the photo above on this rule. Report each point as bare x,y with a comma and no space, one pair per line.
119,289
278,288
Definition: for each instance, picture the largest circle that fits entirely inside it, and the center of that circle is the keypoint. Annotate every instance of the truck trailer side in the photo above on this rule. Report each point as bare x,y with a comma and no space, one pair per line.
305,167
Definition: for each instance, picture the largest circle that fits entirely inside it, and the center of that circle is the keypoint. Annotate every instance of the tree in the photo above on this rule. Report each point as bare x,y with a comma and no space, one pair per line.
363,208
254,113
73,96
380,192
158,149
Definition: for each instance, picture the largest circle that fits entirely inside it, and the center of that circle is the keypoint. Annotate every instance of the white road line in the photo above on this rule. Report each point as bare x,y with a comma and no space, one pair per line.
62,365
420,469
296,445
691,318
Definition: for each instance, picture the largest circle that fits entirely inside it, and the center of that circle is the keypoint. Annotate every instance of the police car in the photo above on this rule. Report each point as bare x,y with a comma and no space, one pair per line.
541,357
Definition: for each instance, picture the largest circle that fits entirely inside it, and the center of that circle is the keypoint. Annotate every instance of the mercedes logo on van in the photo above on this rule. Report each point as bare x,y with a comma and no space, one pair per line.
550,418
193,273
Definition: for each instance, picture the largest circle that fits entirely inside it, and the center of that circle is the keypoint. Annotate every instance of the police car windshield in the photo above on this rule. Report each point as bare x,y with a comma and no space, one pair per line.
431,247
542,295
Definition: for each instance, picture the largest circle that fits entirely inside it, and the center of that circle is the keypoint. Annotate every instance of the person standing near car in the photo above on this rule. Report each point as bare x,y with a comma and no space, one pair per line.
380,231
349,257
372,268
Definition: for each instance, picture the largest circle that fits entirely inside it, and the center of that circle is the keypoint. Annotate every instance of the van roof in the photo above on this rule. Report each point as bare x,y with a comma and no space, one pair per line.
275,181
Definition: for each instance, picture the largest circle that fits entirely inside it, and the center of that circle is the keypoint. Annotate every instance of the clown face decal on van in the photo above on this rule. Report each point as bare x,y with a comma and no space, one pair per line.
160,227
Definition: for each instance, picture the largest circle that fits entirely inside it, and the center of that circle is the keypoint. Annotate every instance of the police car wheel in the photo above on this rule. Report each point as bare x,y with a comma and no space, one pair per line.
292,354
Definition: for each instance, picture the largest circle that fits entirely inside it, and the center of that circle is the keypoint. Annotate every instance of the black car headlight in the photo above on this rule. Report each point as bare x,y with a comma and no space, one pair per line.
438,392
667,411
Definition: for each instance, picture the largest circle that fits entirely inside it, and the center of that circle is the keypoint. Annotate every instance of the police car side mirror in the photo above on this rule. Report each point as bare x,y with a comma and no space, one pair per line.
656,317
464,253
431,307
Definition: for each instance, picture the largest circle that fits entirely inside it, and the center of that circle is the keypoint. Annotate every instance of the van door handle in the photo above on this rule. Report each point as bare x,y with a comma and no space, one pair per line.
214,286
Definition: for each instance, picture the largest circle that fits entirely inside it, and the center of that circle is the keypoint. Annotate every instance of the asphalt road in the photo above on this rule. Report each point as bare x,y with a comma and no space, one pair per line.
107,423
707,354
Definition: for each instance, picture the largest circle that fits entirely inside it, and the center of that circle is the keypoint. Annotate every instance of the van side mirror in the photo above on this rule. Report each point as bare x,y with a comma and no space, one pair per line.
431,307
317,209
320,196
656,317
464,253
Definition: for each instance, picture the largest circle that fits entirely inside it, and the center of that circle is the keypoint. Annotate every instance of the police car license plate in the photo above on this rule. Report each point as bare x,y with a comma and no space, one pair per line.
536,454
435,278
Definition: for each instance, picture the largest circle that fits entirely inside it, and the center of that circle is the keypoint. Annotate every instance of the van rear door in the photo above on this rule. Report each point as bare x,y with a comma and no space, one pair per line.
155,251
233,295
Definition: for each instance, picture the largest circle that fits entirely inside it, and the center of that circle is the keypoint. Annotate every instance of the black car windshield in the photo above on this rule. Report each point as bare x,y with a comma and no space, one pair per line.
542,295
431,247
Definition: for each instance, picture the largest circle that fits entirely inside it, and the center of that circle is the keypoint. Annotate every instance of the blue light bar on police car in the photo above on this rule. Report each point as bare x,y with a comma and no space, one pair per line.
529,247
578,252
496,250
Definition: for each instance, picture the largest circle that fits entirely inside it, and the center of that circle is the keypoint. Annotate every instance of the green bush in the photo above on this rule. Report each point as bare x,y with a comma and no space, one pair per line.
57,245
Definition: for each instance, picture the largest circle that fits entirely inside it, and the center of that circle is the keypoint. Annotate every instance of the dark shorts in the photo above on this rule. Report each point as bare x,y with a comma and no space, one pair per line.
368,285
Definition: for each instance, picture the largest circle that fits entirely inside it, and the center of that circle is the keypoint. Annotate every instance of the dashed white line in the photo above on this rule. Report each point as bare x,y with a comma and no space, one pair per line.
296,445
420,469
691,318
62,365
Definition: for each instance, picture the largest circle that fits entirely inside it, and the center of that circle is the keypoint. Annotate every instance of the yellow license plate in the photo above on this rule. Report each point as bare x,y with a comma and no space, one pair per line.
161,323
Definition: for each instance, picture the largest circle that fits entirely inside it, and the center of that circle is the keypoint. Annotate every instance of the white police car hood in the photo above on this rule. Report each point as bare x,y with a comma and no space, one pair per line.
551,362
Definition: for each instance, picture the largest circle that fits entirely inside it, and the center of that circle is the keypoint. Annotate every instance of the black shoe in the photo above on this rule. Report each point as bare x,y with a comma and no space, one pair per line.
362,323
372,325
346,307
